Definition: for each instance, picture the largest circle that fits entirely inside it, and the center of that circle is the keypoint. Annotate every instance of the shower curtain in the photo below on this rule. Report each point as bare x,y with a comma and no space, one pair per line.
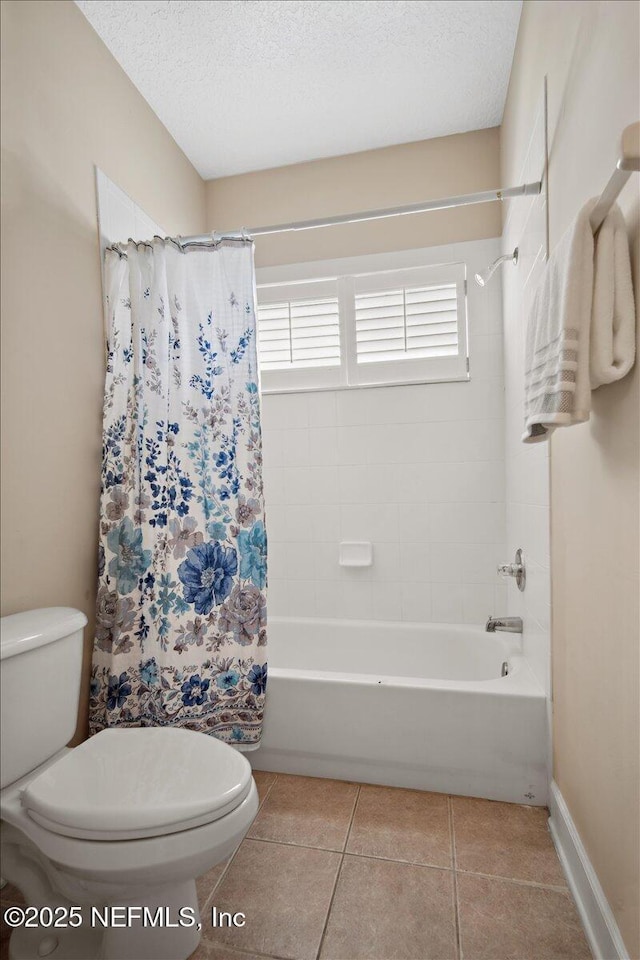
181,609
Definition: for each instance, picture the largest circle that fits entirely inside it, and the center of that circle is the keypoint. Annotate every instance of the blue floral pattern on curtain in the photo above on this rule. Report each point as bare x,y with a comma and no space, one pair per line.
181,608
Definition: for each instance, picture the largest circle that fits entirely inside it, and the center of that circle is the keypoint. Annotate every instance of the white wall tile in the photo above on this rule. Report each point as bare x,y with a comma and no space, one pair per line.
276,522
387,603
325,599
353,445
278,598
272,441
415,562
277,561
386,563
486,356
417,470
446,563
446,602
364,521
454,442
392,443
300,561
295,448
298,523
326,560
273,479
366,484
479,562
356,600
302,598
324,485
323,446
467,522
526,466
414,522
285,411
322,409
469,482
411,482
325,523
478,602
416,601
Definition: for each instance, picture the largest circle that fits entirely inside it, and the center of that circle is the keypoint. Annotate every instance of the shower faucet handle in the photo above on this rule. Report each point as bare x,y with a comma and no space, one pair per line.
515,569
509,569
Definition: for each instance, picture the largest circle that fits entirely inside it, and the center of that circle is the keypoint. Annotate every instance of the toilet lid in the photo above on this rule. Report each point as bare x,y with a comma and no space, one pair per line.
138,782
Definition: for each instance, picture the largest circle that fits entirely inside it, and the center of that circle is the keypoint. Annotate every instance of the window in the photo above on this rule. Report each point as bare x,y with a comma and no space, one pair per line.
394,326
408,323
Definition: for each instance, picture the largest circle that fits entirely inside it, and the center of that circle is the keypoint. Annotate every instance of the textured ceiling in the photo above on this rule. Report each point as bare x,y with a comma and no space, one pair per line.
250,84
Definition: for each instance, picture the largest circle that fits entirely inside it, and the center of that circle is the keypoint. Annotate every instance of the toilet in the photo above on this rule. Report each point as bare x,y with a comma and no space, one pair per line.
128,819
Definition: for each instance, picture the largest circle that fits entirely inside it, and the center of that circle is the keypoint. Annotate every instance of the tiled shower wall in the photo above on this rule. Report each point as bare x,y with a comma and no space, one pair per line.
416,469
527,465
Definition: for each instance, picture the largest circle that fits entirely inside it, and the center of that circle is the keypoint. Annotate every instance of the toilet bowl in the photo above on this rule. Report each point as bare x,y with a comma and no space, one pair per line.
129,818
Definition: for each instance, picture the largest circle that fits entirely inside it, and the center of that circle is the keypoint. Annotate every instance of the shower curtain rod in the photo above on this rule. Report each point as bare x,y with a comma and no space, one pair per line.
248,233
524,190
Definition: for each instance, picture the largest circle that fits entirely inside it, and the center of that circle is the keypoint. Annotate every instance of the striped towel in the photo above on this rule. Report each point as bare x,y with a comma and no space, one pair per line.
557,386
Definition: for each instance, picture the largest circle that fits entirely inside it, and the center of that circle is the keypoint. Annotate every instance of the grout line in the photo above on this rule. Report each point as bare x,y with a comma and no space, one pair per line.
266,796
352,818
361,856
233,855
338,871
522,883
412,863
207,902
456,903
237,951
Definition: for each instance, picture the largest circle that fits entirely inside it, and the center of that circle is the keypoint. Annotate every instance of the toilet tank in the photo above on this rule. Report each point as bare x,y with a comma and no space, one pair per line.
40,663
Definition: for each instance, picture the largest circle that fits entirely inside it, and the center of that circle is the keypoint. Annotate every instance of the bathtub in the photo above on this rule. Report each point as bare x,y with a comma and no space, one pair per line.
407,705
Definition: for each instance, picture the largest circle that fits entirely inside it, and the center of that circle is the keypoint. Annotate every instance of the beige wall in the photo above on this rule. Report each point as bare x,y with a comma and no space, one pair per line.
389,177
67,105
589,52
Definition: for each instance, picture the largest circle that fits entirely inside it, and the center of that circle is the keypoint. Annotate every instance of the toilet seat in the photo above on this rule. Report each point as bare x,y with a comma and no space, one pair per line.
134,783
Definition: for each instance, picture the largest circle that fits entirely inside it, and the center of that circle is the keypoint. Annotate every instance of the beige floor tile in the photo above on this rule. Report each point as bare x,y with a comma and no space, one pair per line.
390,911
206,883
500,920
284,891
211,951
505,840
264,781
308,811
402,825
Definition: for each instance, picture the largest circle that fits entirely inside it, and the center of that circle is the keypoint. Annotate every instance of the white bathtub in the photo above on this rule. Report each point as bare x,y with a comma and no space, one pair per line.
408,705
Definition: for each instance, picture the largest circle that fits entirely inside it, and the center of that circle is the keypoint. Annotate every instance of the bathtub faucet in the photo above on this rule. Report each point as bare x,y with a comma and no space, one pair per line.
504,624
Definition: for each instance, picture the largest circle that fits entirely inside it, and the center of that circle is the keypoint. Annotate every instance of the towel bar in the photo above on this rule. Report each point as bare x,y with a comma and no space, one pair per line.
628,163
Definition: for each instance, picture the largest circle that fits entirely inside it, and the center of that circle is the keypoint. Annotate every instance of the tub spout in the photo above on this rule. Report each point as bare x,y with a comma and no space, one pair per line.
504,624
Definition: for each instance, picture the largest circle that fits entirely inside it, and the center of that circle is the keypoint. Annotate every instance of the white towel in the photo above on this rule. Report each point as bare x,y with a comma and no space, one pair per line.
557,389
612,346
581,327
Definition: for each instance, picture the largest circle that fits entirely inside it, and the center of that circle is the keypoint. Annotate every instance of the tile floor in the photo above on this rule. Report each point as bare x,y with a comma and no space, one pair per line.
339,871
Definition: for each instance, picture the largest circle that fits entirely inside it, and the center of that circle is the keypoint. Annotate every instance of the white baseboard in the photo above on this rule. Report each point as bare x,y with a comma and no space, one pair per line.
599,923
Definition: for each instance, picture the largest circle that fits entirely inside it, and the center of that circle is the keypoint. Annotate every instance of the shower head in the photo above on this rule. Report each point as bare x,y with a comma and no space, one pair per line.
482,278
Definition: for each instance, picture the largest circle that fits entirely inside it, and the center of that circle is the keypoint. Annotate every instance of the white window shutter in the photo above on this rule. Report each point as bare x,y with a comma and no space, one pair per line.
299,333
396,326
407,323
